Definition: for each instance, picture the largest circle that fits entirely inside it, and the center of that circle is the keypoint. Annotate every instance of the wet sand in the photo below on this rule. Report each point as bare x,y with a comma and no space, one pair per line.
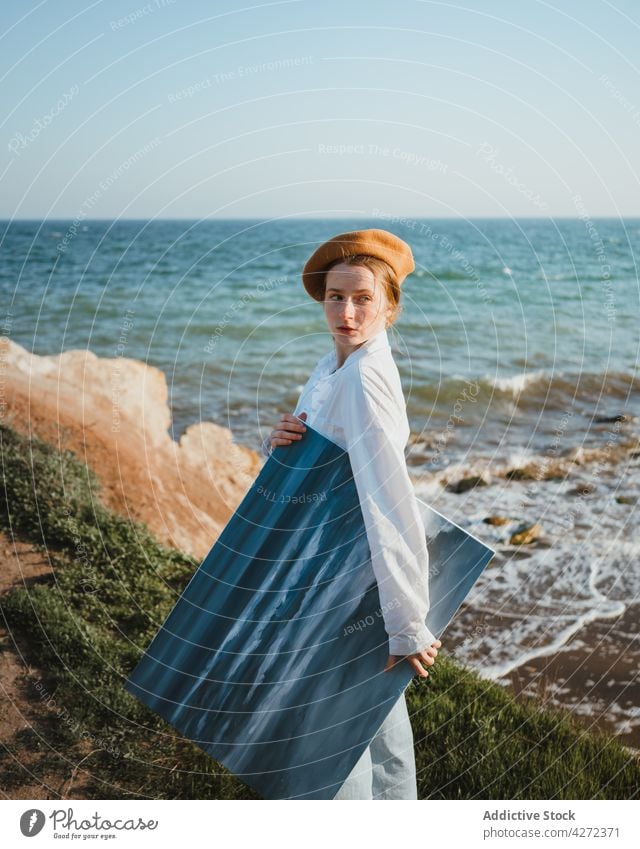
595,675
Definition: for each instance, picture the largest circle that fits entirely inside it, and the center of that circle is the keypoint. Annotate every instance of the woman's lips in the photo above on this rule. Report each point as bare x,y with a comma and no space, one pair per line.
347,329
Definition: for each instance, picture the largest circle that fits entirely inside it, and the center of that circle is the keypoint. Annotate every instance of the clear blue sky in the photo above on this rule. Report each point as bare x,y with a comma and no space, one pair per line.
319,108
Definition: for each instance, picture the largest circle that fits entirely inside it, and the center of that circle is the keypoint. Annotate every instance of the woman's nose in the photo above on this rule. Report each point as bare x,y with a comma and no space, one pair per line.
349,308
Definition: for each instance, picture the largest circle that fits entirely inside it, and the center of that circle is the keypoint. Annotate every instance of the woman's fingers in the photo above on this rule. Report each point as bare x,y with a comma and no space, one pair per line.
417,666
291,423
290,417
416,662
287,435
288,428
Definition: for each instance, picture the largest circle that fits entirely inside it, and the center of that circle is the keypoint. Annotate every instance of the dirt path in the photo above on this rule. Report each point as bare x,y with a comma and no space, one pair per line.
31,766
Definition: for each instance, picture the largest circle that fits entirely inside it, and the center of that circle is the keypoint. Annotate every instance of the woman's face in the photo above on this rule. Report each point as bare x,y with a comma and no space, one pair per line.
355,304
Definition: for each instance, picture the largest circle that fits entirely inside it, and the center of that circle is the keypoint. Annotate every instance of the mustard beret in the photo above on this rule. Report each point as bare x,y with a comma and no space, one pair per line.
378,243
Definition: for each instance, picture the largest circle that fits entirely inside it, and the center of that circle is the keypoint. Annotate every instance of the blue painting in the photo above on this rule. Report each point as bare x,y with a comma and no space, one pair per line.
272,659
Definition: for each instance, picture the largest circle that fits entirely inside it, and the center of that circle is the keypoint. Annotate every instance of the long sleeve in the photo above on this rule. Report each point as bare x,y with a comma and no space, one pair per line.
394,527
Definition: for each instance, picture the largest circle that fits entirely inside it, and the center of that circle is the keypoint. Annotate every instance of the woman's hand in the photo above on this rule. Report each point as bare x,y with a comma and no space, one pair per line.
287,429
426,656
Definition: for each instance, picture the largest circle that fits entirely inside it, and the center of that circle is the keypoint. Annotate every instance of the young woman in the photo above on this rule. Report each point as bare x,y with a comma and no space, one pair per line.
354,397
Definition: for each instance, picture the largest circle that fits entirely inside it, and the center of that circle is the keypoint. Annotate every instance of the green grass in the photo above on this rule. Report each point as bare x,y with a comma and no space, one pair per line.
113,584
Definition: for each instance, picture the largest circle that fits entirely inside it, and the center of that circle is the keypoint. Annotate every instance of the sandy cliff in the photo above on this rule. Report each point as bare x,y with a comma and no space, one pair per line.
113,414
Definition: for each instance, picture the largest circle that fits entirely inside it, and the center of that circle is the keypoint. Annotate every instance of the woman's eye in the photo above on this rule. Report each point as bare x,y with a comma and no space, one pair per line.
361,298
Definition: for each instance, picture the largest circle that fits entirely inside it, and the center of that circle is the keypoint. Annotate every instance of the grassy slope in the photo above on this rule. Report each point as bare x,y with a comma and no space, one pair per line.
112,586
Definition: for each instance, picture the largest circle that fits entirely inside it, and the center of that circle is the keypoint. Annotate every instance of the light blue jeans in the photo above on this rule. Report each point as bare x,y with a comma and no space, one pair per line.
387,768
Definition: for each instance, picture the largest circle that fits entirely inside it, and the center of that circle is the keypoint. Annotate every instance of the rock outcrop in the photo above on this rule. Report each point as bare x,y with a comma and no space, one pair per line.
113,414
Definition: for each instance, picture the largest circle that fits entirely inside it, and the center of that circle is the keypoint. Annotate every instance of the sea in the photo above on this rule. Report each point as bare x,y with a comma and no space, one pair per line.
518,351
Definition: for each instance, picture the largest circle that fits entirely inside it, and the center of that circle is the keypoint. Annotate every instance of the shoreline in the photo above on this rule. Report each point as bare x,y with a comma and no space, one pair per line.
593,675
572,583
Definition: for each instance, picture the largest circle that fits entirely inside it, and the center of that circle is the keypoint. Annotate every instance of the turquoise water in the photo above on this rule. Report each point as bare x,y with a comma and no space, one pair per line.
543,315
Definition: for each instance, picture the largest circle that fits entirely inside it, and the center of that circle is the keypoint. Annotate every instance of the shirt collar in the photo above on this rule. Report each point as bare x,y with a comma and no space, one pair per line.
379,341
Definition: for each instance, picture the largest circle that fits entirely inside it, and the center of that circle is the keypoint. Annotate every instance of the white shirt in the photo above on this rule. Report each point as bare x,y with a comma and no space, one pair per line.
361,407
